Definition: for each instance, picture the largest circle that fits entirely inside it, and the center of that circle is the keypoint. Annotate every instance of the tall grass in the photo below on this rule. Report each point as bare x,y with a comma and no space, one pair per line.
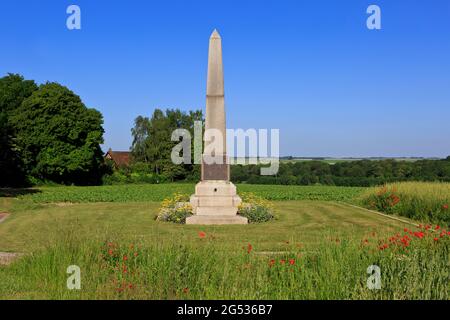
335,269
422,201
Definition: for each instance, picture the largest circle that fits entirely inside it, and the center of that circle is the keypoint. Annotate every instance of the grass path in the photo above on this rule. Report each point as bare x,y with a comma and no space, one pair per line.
33,226
393,217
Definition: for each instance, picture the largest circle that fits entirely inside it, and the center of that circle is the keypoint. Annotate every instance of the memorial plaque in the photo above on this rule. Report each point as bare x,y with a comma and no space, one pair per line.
215,171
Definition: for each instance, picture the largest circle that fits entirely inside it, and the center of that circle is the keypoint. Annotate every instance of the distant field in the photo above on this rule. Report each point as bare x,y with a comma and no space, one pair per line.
157,192
338,160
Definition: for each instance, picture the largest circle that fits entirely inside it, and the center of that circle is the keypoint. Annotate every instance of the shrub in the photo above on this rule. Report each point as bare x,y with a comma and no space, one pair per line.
123,177
423,201
255,208
384,199
175,209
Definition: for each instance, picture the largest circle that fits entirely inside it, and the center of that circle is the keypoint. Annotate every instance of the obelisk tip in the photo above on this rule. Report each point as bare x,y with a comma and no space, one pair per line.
215,34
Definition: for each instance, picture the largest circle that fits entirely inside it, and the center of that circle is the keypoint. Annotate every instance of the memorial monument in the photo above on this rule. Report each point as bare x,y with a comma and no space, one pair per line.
215,200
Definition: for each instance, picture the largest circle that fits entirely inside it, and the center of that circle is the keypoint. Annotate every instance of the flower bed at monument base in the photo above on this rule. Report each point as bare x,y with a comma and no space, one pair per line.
177,208
255,208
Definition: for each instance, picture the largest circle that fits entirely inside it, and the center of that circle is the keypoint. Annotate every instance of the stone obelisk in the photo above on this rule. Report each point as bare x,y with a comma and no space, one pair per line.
215,200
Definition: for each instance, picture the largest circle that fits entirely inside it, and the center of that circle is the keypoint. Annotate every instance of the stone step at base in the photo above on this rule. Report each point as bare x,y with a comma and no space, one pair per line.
216,211
215,201
216,219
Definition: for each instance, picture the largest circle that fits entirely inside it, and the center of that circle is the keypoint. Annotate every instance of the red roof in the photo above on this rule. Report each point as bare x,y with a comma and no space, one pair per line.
120,158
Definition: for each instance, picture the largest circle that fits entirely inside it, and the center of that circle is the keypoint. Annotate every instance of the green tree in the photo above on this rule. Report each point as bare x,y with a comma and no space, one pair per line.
58,137
13,90
140,133
152,140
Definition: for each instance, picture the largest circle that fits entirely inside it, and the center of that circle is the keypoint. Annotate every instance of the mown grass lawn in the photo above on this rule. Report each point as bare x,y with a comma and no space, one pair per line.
33,226
330,243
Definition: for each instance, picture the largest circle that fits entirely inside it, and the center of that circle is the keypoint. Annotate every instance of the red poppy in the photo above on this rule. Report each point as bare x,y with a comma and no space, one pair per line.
249,248
201,234
419,234
186,290
271,262
110,252
395,200
436,239
282,261
437,227
405,241
291,262
445,207
125,258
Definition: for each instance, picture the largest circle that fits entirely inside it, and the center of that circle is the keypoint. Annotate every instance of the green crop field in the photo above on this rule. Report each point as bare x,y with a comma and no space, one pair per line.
157,192
318,247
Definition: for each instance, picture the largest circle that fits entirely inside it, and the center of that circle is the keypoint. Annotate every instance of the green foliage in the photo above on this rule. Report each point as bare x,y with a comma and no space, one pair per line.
255,208
427,202
58,138
13,90
175,209
132,176
385,199
363,173
152,141
158,192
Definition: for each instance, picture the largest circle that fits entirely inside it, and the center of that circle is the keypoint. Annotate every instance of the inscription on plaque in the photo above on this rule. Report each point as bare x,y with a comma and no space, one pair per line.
215,171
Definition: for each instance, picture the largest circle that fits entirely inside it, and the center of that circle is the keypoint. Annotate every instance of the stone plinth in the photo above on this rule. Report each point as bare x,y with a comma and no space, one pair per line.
215,202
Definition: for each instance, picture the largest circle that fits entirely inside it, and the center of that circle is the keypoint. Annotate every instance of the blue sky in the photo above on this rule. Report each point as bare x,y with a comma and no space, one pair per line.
310,68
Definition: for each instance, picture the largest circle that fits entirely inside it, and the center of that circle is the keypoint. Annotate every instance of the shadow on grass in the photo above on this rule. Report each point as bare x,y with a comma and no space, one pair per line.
15,192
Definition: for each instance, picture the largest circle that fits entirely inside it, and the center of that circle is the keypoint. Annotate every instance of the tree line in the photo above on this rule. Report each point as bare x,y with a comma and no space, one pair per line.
348,173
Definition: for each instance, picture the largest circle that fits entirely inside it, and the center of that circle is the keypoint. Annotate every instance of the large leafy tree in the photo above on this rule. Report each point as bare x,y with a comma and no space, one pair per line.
58,137
13,90
152,140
